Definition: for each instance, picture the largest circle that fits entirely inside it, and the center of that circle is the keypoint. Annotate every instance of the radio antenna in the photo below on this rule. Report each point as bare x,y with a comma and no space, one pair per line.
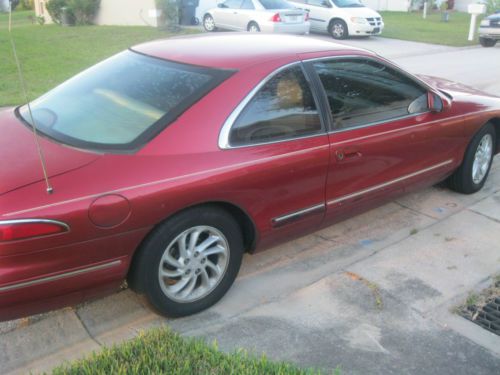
26,99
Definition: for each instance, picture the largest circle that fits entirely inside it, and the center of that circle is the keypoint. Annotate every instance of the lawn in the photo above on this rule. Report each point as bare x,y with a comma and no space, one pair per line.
411,26
50,54
160,351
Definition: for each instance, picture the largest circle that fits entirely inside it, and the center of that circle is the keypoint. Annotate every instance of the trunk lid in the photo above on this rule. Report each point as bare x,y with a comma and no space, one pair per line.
19,160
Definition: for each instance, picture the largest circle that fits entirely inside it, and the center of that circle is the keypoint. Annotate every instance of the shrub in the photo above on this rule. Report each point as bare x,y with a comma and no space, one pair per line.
27,4
54,7
492,6
169,14
84,11
81,12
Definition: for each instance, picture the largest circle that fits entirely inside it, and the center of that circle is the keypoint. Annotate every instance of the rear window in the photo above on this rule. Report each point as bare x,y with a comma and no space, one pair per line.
120,103
276,4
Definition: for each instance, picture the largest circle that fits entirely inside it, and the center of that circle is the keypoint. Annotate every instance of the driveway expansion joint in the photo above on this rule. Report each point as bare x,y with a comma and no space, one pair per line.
86,329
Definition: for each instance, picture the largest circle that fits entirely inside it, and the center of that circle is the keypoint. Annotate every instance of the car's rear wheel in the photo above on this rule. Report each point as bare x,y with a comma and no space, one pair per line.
209,23
190,261
486,42
253,27
472,174
338,29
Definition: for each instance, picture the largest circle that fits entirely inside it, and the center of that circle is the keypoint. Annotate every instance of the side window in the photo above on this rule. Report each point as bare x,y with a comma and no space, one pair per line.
282,109
363,91
247,4
319,3
232,4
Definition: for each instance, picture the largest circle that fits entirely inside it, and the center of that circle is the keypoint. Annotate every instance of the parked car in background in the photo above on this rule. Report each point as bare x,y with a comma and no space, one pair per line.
171,159
489,30
269,16
341,18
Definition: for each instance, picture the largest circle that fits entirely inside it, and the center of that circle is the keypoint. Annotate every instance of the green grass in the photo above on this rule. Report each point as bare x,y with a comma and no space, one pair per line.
50,54
411,26
160,351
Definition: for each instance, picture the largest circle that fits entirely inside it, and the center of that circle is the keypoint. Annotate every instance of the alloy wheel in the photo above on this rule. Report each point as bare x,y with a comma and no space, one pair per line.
209,23
482,158
193,264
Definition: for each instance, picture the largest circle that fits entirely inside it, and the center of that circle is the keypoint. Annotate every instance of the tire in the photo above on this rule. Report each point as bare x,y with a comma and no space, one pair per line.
178,285
209,23
473,172
485,42
253,27
338,29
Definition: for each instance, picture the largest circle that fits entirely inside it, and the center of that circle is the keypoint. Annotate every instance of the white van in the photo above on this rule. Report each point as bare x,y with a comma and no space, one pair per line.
341,18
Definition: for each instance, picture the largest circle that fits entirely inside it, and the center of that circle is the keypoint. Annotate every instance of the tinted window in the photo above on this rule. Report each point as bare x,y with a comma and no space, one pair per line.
114,103
319,3
233,4
276,4
348,3
284,108
247,4
364,91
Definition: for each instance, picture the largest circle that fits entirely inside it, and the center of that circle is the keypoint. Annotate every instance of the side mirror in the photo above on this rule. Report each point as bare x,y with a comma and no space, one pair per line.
436,103
326,4
220,5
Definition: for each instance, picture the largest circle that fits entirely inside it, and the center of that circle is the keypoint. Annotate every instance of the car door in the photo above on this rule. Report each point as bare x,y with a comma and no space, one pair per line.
319,14
245,14
384,138
226,14
279,124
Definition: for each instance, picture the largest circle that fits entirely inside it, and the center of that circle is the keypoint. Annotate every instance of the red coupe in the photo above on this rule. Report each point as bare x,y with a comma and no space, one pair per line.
170,160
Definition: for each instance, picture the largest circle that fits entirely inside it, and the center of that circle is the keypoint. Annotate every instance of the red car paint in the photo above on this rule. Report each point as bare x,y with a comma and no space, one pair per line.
112,201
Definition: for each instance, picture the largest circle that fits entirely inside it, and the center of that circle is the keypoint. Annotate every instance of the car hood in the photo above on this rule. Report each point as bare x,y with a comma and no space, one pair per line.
451,86
494,16
19,160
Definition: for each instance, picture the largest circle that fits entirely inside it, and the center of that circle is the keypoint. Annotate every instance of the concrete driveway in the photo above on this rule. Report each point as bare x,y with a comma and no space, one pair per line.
373,294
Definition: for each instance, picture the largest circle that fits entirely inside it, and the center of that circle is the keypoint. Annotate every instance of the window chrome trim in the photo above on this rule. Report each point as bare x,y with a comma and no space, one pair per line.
228,124
280,220
36,221
388,183
60,276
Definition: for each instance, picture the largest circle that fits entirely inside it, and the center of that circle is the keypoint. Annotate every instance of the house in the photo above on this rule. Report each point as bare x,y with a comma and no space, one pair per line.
392,5
115,12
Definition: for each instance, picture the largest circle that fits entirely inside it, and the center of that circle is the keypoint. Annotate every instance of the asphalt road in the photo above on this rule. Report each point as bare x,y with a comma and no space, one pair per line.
374,294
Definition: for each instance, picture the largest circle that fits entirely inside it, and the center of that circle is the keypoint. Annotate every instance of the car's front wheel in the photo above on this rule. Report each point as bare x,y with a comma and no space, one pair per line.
471,175
338,29
486,42
209,23
190,261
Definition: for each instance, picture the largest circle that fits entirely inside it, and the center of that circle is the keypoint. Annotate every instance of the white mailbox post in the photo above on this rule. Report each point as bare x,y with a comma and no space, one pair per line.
474,11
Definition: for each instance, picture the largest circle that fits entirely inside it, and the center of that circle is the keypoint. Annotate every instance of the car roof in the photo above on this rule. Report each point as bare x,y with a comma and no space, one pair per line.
235,50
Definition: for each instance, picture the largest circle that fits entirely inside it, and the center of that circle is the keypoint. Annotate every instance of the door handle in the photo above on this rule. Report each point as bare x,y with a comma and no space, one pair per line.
347,154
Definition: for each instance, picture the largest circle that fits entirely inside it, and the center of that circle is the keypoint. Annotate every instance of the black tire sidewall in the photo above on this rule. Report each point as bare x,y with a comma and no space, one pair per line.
161,238
464,181
485,42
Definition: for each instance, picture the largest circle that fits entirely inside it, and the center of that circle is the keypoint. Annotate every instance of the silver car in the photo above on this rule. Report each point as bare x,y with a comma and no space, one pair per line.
270,16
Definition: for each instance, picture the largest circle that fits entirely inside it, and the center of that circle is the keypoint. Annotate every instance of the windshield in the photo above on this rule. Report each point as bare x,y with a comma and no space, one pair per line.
120,103
276,4
348,3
